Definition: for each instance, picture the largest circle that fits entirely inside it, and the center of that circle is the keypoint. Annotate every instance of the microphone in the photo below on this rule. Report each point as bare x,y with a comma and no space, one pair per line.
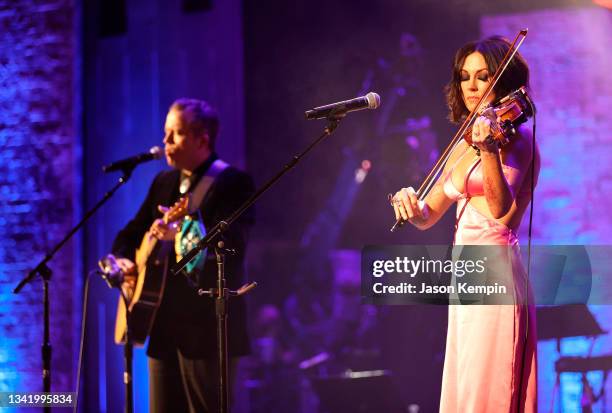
111,272
129,163
369,101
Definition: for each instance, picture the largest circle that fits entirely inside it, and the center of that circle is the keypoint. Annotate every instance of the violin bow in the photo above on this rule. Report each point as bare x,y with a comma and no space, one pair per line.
436,170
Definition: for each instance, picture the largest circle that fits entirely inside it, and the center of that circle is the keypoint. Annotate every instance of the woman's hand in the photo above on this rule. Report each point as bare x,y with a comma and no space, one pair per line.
482,132
407,206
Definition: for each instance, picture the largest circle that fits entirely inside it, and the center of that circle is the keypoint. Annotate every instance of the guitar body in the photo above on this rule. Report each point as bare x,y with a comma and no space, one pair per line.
152,265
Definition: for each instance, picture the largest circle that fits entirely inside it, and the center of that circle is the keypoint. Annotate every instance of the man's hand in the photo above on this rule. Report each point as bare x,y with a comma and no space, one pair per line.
130,274
163,231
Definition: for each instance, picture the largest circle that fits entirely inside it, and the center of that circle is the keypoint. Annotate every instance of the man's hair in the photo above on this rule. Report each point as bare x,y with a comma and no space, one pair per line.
493,50
203,118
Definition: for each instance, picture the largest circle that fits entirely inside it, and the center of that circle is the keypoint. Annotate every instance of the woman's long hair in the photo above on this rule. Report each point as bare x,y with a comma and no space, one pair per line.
493,49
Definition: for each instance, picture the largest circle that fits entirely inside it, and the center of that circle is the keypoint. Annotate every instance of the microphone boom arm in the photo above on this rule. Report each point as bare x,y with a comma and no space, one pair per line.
223,225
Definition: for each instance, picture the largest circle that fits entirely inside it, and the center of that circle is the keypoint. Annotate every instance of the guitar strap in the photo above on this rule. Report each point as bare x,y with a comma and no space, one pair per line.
192,228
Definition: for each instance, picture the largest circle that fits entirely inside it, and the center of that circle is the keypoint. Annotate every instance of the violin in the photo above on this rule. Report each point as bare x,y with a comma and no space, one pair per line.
506,115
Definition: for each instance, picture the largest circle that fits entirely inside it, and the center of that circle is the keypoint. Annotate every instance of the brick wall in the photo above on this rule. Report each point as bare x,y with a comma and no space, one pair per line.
568,52
37,185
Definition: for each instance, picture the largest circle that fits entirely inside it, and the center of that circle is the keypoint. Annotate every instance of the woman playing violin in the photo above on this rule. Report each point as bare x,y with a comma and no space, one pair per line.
490,362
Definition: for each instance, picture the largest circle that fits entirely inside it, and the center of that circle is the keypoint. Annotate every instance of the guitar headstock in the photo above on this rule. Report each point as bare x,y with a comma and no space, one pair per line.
177,211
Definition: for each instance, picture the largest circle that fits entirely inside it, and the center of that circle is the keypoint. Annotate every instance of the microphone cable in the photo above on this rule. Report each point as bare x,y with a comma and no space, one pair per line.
82,339
529,236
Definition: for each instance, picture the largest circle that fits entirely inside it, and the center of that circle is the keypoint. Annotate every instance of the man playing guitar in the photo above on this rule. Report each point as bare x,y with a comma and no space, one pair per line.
183,371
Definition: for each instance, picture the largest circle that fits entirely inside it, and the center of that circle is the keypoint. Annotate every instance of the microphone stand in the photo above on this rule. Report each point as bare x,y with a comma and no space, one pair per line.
221,293
128,346
128,353
45,273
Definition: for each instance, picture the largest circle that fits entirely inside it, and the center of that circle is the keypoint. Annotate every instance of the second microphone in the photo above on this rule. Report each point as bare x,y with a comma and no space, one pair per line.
369,101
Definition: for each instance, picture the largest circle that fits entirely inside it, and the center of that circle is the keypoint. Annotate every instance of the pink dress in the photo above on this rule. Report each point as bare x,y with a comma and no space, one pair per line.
490,363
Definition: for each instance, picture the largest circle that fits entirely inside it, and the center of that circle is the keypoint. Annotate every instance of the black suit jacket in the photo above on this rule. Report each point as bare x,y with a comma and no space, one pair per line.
186,321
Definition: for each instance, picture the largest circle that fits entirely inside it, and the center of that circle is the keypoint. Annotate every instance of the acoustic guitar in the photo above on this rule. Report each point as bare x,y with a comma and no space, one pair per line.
152,265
